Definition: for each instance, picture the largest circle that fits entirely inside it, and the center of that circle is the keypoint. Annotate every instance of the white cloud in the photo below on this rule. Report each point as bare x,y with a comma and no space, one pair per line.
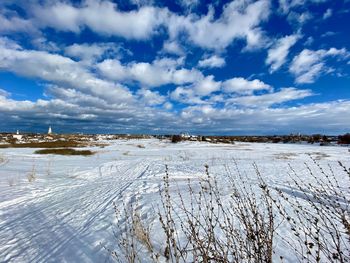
7,43
159,72
309,41
287,5
206,86
138,24
57,69
194,93
14,24
266,100
167,105
150,97
309,64
277,55
142,2
328,13
239,20
188,4
299,19
173,47
329,34
91,51
243,86
325,118
44,44
185,95
212,62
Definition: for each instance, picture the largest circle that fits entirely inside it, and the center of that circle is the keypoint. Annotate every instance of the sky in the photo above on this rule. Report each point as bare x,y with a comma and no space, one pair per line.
236,67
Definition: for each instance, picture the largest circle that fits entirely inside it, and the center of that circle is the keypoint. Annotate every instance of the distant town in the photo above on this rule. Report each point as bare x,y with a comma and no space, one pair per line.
22,138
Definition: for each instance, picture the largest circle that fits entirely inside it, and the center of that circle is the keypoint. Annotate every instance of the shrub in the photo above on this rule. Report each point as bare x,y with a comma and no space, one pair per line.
203,227
65,151
31,176
208,237
176,138
344,139
318,215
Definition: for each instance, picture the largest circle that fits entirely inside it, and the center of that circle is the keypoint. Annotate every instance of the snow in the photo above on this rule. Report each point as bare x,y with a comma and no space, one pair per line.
66,214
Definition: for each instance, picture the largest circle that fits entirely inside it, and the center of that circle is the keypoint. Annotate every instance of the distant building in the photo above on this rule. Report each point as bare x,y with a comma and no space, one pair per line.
17,136
185,135
50,130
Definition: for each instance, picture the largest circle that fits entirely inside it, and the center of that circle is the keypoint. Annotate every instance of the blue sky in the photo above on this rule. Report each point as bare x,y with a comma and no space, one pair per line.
147,66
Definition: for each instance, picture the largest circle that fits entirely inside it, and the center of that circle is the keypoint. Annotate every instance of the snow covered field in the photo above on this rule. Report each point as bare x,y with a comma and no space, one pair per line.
60,208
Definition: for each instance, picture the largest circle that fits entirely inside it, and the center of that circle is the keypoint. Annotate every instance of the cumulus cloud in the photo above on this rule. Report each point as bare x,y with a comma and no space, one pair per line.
136,24
41,43
173,47
6,43
239,20
58,69
159,72
151,97
206,86
186,95
15,24
90,51
309,64
278,53
194,93
244,86
212,62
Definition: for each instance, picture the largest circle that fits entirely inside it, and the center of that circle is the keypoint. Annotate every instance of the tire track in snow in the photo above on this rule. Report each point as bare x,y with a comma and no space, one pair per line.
109,198
61,211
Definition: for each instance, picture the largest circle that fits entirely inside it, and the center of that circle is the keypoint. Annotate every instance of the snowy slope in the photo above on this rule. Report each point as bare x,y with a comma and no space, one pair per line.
66,214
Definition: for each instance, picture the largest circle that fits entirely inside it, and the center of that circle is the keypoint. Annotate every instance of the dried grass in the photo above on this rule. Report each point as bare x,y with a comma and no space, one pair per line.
245,228
65,151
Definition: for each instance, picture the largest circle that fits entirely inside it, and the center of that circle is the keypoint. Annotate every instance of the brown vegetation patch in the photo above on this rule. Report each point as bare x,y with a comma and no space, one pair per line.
53,144
65,151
